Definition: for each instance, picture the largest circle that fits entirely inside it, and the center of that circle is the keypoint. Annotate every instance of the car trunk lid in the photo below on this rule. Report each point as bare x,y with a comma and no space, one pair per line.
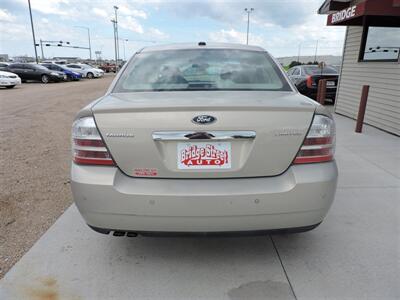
331,79
255,133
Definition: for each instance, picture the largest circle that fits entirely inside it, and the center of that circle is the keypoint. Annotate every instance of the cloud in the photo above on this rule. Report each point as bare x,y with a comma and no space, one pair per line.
127,11
6,17
284,13
233,36
56,7
157,34
130,23
14,33
100,12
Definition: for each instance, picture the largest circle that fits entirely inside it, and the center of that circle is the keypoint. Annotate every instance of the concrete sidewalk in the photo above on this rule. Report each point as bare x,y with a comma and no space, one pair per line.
355,253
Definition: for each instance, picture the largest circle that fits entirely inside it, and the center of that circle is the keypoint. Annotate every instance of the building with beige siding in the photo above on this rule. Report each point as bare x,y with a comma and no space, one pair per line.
370,57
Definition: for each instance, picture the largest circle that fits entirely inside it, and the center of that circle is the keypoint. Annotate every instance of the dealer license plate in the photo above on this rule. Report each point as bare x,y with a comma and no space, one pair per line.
204,155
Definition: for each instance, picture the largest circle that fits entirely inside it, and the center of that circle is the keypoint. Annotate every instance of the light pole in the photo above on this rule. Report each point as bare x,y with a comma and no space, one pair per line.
88,32
41,47
124,40
316,50
298,54
248,11
115,46
33,31
116,29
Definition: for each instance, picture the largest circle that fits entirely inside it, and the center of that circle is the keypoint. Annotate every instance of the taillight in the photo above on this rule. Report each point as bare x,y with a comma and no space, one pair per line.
319,144
310,83
88,147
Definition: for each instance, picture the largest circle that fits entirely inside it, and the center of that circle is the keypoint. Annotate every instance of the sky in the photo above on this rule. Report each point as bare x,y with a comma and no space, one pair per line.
280,26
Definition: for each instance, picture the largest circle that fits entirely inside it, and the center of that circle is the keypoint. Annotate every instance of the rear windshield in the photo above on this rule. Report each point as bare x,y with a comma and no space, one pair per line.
312,70
205,69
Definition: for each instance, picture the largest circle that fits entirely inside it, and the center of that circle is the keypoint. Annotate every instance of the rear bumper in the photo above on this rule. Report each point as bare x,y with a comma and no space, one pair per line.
10,81
312,93
56,78
74,77
108,199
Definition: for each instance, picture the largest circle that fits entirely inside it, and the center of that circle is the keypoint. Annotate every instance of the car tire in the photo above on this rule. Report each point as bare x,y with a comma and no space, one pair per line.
10,86
90,75
45,79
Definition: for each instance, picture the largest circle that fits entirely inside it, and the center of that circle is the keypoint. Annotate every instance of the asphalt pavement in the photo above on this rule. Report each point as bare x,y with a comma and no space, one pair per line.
353,254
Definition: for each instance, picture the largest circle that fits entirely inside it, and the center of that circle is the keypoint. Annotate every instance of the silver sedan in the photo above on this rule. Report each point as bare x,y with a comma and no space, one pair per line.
203,139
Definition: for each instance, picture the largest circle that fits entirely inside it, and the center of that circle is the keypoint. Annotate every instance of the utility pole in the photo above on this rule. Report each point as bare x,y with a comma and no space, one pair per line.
33,32
116,29
115,46
88,32
248,11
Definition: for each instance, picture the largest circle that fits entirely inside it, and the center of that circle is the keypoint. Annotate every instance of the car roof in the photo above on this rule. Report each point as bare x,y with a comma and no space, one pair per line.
191,46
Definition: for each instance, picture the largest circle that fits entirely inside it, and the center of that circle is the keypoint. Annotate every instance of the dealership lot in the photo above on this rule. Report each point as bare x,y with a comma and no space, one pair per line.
354,253
35,126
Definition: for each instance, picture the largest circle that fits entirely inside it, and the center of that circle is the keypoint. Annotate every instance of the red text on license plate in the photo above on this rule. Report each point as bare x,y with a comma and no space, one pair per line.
211,155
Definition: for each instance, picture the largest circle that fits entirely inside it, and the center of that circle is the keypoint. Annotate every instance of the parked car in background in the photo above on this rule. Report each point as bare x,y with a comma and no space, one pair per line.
306,78
9,80
57,62
86,70
71,75
3,66
36,72
203,139
108,67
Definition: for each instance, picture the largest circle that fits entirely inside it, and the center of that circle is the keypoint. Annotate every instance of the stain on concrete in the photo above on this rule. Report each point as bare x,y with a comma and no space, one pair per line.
44,289
261,290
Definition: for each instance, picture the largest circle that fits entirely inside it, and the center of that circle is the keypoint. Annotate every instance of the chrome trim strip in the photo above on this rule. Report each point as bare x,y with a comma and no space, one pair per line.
316,147
202,135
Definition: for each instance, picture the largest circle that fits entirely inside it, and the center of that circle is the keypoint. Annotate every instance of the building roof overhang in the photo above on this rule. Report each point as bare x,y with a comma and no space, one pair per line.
379,13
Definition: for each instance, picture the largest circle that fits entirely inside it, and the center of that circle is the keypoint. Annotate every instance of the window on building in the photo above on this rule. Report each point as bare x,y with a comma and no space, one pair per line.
381,44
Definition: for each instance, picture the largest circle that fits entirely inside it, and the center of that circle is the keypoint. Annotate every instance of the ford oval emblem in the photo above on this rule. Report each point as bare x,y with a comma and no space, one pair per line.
204,119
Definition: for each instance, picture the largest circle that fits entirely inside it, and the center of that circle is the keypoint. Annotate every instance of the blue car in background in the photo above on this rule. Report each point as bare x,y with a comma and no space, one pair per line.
71,75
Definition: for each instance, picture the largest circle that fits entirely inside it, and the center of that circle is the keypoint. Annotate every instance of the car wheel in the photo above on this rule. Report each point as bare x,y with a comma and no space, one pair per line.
69,78
45,79
10,86
89,75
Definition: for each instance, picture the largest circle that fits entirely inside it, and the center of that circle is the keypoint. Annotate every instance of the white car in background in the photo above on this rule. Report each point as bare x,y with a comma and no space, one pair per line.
9,80
86,70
